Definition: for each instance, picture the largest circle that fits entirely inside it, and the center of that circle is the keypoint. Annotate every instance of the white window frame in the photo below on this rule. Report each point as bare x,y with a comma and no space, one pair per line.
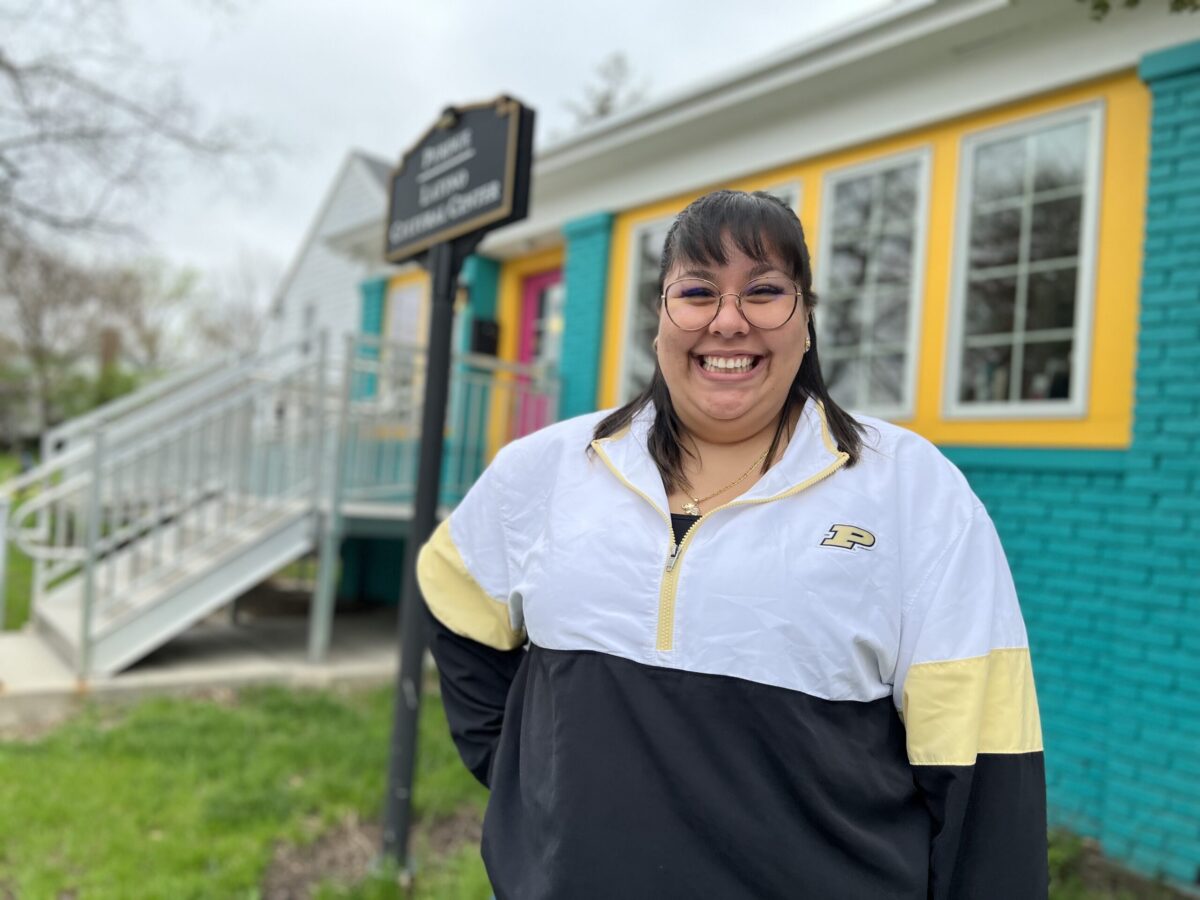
922,156
1085,295
792,186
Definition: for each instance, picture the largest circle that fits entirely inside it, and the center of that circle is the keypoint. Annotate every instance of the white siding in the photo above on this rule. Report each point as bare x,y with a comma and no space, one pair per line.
322,279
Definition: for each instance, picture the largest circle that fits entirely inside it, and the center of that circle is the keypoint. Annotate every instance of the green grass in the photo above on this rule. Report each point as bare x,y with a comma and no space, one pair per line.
186,798
18,582
18,588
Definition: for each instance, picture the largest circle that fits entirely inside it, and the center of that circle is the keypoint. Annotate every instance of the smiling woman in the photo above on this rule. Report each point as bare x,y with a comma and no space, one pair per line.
730,641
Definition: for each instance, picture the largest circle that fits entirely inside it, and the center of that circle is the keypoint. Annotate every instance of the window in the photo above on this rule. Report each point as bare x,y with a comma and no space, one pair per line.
637,364
1021,307
869,282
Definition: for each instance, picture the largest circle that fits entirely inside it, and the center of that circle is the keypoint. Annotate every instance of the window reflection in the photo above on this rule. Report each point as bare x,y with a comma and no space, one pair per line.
866,297
1021,306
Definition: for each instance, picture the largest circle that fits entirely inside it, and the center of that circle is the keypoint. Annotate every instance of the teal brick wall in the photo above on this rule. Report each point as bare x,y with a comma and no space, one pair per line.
1105,546
586,280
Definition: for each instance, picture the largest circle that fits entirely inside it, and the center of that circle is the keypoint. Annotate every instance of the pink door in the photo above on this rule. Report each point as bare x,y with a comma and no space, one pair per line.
537,343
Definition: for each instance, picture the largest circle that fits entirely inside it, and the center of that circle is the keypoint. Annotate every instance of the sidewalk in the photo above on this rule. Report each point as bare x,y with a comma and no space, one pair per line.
37,687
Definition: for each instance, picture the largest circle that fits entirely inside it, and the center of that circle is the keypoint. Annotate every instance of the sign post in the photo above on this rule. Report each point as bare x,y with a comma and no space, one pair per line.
467,175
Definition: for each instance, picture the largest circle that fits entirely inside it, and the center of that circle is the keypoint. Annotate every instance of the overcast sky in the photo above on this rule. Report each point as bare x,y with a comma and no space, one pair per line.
318,78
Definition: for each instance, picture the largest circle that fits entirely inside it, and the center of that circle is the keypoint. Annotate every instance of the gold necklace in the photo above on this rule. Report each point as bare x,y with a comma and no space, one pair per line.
692,507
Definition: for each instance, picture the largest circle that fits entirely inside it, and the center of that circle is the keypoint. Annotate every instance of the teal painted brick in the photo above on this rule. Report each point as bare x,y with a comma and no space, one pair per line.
1181,314
1173,580
1149,520
586,279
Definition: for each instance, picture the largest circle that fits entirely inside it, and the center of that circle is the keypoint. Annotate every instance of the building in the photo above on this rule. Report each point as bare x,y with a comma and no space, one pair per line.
1002,200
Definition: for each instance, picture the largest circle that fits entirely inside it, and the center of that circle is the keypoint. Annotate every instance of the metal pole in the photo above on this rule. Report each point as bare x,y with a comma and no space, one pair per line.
95,498
321,615
444,263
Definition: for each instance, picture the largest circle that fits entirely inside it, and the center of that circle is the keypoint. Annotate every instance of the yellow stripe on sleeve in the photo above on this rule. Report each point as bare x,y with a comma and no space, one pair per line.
956,709
457,600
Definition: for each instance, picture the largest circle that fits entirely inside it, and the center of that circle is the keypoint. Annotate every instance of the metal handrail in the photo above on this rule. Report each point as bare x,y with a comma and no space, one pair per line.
148,487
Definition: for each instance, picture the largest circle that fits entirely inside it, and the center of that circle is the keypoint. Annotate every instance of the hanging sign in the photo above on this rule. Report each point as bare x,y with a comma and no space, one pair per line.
469,173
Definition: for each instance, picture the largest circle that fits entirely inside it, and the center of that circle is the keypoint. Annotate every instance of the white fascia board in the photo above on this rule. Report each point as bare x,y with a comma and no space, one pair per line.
984,63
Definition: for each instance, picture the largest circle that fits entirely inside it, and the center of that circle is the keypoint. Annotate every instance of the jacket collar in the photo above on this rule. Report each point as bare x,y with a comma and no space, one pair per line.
809,454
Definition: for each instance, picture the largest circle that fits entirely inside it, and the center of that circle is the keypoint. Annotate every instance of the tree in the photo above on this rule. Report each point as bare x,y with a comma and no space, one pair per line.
144,303
50,310
1101,8
612,92
88,124
232,315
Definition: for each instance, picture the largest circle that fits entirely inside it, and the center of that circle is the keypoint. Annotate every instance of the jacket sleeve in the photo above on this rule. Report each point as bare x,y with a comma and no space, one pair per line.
964,688
463,572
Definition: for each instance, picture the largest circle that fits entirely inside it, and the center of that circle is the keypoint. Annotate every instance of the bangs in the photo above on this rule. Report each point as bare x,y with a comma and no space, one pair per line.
758,224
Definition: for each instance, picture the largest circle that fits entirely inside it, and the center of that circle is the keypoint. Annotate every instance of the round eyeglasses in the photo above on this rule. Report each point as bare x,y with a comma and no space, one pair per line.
766,303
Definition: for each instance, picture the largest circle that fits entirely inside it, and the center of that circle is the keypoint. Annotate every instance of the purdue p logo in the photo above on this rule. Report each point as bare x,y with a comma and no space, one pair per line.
848,537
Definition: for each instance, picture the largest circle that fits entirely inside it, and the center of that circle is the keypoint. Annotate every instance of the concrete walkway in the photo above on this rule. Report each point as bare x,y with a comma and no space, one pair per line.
37,687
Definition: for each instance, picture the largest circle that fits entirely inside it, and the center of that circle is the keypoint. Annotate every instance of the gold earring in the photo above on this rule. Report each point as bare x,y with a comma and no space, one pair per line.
807,344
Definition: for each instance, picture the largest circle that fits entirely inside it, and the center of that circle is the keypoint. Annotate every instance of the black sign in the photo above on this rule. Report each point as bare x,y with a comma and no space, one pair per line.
470,172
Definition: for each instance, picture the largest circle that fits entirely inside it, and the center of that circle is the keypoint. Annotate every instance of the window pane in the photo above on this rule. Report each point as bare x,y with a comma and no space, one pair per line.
1046,373
851,205
1055,229
848,267
871,233
639,354
1021,281
887,380
900,197
842,323
891,317
1000,170
844,379
1060,153
995,238
893,263
991,305
1051,300
985,374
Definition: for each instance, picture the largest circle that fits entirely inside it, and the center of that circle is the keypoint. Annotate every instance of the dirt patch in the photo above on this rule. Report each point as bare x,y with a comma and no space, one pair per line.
1105,880
345,854
342,855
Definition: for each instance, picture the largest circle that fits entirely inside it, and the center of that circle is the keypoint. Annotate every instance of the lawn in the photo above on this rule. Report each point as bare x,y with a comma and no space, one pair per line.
19,577
200,798
188,798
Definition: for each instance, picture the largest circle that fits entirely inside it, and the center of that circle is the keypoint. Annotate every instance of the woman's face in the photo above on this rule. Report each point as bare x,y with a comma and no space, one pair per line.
730,404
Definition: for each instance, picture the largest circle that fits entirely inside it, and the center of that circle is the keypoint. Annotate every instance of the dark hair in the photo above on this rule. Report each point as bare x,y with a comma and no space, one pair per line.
758,224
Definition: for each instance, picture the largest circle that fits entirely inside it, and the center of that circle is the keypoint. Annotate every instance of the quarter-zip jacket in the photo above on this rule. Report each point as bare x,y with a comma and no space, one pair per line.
823,690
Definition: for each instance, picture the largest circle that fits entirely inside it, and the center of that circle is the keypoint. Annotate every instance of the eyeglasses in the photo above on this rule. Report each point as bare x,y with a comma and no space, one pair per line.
766,303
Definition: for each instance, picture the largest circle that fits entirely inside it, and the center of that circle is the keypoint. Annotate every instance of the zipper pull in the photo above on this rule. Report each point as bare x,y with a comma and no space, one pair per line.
674,555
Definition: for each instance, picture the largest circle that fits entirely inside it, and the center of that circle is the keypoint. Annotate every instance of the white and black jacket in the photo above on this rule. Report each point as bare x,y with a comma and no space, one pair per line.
823,690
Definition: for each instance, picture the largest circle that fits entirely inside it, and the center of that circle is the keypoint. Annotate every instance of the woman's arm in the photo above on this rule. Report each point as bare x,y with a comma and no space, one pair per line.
964,686
475,679
463,572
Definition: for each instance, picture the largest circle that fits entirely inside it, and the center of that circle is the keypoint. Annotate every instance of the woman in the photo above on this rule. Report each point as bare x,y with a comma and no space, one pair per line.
727,641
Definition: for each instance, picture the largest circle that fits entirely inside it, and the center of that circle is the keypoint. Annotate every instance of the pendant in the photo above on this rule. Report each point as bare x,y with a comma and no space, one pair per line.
691,508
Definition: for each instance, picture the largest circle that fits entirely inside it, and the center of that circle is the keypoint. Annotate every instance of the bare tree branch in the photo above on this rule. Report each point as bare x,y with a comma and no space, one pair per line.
88,122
